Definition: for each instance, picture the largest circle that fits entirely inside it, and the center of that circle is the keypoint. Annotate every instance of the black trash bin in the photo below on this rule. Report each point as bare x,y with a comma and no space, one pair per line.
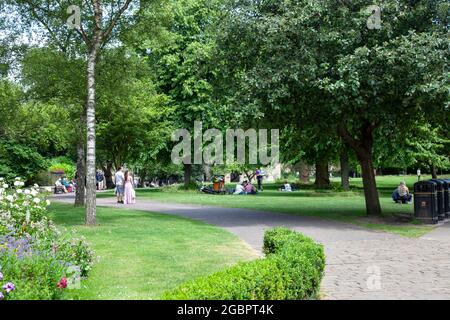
447,197
425,201
440,198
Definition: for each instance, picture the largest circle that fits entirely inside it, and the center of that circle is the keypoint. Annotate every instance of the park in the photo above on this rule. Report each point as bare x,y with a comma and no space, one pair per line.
224,150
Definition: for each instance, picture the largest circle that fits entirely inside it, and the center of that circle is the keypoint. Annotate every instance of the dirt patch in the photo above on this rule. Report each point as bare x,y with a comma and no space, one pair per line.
399,219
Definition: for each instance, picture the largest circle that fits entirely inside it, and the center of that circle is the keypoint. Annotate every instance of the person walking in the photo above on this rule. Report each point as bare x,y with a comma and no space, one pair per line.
259,177
129,193
119,181
100,177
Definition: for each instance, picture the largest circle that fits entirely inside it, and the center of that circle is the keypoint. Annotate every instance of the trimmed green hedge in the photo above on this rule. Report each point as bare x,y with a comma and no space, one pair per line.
292,269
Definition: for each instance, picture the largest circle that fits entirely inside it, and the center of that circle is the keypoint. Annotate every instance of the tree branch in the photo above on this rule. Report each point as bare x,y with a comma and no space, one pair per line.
347,137
35,14
114,20
84,36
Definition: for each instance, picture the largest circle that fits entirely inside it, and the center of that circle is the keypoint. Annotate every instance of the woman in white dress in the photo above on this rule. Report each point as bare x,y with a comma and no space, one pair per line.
129,193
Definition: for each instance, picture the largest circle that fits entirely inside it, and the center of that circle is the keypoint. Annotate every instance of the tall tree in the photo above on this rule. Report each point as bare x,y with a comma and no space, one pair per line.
101,22
180,57
319,60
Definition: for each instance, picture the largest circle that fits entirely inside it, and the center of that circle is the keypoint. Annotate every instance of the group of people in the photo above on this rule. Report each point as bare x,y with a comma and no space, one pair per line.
62,185
245,188
124,187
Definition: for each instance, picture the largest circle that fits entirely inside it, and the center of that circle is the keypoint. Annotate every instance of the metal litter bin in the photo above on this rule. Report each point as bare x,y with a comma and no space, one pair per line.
440,198
446,197
425,201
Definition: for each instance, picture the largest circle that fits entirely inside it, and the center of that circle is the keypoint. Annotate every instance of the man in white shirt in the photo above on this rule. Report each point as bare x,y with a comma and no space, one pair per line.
119,180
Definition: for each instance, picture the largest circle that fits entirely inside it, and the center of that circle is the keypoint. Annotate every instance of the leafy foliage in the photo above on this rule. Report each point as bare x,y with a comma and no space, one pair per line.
292,269
34,255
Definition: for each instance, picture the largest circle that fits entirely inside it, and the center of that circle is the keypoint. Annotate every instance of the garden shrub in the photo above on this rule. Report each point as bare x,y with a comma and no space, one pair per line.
63,164
34,276
35,256
256,280
292,269
278,237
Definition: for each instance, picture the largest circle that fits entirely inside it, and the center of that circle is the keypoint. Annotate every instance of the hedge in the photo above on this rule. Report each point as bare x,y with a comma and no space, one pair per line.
292,270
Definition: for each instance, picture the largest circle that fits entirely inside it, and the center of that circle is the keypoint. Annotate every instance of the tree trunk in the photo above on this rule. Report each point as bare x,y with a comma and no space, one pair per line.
322,177
90,157
90,113
207,171
370,185
345,171
142,176
363,148
80,192
434,172
108,176
187,174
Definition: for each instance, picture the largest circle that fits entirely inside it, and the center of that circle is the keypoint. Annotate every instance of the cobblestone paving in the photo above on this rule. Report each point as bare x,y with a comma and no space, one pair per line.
361,263
387,269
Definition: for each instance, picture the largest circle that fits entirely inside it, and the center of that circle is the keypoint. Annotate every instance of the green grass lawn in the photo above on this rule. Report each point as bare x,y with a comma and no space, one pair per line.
343,206
141,254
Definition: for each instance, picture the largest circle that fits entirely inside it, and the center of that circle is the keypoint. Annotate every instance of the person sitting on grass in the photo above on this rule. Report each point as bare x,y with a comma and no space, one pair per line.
249,188
239,189
286,187
401,194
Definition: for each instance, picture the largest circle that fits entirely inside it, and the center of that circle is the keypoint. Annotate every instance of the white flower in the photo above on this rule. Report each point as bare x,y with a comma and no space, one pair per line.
16,183
27,191
5,186
19,191
36,185
10,198
36,200
34,193
47,202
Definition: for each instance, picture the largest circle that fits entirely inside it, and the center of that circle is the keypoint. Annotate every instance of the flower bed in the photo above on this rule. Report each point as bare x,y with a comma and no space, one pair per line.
37,260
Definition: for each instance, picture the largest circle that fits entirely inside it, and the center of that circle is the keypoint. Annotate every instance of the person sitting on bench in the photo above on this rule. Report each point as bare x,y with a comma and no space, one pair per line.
59,187
401,194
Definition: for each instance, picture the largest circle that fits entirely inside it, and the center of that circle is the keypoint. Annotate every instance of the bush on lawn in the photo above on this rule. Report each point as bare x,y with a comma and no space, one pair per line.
292,269
36,257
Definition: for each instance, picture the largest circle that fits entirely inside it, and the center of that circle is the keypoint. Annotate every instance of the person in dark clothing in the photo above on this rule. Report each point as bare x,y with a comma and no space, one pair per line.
259,177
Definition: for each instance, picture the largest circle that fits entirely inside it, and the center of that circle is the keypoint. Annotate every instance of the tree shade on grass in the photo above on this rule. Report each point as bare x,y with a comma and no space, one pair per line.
329,204
141,254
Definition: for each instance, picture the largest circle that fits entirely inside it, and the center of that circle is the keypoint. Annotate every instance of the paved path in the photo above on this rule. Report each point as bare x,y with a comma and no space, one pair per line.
361,264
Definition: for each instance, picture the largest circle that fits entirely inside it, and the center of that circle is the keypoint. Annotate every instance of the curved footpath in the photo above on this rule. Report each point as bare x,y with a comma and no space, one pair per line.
360,263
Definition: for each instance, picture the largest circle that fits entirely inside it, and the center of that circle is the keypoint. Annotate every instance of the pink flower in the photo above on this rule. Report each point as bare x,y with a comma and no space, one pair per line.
9,287
62,284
